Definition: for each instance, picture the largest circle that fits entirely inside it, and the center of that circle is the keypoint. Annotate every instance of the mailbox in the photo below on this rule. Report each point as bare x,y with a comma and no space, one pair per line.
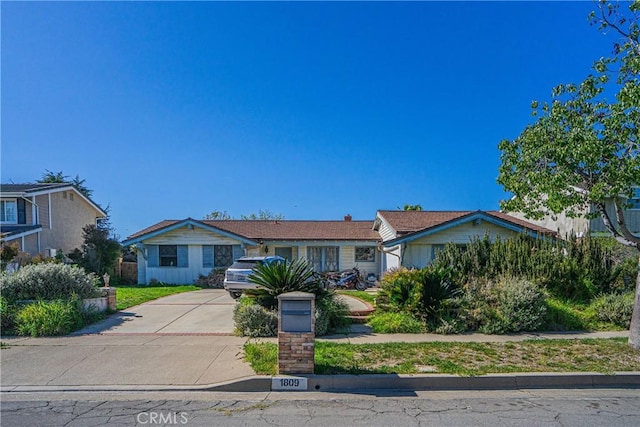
296,312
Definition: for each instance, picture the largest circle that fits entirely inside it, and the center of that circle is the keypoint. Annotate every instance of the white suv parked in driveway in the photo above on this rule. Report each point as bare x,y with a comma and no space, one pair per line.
236,278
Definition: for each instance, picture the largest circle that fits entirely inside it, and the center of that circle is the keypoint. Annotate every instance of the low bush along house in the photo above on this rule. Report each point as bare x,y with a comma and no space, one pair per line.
178,251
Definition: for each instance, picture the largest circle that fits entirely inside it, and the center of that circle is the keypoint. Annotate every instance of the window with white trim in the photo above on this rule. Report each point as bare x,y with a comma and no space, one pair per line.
365,254
9,211
323,258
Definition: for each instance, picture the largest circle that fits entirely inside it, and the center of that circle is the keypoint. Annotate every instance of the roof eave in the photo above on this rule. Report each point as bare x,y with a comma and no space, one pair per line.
188,221
473,216
25,233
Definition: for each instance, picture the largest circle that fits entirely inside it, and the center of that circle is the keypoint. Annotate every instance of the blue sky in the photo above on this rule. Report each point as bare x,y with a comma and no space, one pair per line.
310,110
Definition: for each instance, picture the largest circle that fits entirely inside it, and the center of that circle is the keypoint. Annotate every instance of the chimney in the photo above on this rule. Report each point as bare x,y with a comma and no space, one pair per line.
347,217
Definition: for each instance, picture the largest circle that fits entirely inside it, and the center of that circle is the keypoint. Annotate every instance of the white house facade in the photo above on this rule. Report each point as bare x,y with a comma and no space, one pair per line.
179,251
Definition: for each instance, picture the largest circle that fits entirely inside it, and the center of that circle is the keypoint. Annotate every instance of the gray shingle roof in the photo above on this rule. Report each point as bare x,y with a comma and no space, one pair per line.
31,187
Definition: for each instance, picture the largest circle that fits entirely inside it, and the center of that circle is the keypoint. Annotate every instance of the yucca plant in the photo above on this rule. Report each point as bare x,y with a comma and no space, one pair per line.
278,278
435,287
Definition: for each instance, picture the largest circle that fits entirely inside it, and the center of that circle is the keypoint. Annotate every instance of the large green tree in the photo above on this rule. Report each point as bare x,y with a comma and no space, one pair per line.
49,177
100,249
582,150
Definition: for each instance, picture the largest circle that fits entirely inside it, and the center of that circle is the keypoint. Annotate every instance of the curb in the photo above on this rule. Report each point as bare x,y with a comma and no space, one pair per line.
351,383
426,382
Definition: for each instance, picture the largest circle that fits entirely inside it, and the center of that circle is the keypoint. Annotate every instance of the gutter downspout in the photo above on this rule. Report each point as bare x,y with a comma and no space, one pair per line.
388,251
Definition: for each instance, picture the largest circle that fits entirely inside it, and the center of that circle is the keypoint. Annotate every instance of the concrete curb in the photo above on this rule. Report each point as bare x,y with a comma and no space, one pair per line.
363,383
485,382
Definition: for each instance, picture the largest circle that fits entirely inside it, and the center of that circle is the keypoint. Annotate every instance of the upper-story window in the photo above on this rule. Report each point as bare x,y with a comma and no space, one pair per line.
9,211
634,201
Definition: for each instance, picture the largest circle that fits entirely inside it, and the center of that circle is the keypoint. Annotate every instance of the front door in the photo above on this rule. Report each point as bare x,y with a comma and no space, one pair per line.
286,253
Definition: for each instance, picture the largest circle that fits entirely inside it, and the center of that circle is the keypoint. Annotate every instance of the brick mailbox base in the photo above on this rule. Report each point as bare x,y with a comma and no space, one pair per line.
296,351
110,293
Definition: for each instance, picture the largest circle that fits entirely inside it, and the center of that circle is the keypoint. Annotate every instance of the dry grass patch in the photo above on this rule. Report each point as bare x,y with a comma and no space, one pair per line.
589,355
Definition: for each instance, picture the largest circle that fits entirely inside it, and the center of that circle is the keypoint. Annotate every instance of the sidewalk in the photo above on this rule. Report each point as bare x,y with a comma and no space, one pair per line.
188,362
162,345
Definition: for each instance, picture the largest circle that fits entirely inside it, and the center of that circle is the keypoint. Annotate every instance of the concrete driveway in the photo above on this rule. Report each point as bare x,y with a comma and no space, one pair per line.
203,312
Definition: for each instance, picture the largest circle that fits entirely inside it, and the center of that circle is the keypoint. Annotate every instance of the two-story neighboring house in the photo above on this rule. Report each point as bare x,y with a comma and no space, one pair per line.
45,218
584,224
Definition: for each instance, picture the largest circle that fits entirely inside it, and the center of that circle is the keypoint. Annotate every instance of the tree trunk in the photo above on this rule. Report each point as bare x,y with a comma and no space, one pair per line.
634,329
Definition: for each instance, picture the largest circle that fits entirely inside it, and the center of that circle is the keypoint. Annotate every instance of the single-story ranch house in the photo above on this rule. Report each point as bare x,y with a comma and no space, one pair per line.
178,251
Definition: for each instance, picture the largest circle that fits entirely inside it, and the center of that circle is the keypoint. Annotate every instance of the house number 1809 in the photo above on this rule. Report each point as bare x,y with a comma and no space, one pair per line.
286,382
289,383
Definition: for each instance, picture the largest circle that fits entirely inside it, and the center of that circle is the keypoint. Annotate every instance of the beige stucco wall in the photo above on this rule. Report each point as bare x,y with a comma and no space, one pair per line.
43,207
68,216
27,243
31,243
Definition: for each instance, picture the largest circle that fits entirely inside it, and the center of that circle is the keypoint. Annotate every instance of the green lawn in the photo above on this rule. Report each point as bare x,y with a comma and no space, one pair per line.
128,296
563,355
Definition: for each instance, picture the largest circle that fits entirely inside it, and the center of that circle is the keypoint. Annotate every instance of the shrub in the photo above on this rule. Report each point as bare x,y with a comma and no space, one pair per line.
521,305
627,272
448,326
614,308
48,282
420,292
49,318
282,277
331,314
561,316
395,323
8,251
398,289
502,305
434,288
572,269
7,316
255,321
215,279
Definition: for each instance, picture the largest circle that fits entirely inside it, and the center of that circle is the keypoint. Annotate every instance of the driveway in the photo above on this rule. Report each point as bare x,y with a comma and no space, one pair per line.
203,312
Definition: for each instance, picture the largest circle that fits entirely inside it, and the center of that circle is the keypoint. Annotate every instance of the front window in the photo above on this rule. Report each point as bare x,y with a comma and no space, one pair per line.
323,258
366,254
9,211
222,256
168,255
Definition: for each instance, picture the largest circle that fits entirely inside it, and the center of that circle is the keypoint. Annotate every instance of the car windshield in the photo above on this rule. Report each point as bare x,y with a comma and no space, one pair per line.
246,264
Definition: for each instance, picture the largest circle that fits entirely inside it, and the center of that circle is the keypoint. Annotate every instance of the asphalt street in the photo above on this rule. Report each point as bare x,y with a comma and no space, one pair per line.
577,407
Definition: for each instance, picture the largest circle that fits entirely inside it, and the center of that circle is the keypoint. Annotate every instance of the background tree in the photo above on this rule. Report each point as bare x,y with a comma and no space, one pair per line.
61,178
261,215
215,215
411,208
100,249
583,149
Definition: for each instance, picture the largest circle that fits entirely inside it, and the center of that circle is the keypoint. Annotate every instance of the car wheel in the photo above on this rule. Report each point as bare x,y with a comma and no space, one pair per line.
235,294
